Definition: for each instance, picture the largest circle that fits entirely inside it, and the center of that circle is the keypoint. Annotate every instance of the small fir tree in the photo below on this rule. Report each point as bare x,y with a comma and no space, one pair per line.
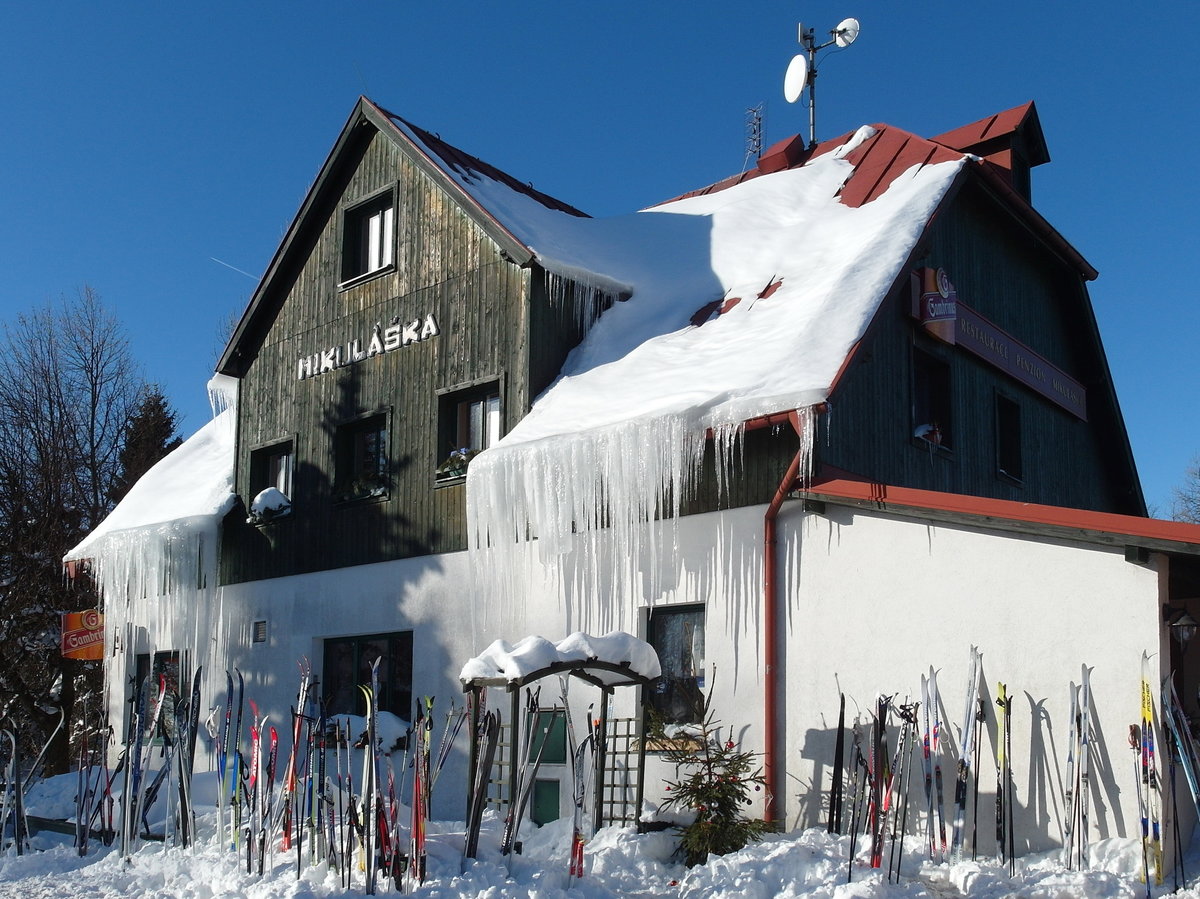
716,781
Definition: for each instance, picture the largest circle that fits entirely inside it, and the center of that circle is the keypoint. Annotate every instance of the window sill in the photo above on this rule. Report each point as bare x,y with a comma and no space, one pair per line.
673,744
366,276
353,502
936,449
1007,478
449,482
265,524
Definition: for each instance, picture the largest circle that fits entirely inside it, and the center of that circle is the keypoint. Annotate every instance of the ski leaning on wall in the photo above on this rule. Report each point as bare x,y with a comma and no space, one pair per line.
1004,779
487,739
966,746
1149,795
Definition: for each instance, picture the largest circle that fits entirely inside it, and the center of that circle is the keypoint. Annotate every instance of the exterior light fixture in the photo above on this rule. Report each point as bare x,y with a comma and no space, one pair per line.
1182,625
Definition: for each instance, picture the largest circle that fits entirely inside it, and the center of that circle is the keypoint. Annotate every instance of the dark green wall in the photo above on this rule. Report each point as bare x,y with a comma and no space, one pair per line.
1005,274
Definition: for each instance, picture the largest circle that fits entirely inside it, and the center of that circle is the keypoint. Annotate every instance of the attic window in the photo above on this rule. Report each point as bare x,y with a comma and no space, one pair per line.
368,238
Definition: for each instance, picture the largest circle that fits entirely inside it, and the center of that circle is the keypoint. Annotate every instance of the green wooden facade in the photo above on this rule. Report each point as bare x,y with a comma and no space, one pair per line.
1018,282
497,325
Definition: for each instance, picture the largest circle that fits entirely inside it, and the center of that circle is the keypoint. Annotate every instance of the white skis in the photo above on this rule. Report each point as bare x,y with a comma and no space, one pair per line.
966,745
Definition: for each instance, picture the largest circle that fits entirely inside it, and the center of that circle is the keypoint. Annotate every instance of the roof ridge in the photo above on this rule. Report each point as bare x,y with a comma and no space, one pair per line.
465,163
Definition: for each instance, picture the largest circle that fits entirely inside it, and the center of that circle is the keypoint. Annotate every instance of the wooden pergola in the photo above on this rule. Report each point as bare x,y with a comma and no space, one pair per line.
604,675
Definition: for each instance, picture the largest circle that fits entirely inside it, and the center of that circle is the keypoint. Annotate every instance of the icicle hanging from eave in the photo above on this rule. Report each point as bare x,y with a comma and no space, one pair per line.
586,296
613,483
160,583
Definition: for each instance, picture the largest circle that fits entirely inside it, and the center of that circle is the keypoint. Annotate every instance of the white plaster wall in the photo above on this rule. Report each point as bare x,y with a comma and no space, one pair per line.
874,600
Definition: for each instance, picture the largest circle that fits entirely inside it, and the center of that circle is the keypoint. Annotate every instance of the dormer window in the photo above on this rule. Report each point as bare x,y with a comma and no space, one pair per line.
369,237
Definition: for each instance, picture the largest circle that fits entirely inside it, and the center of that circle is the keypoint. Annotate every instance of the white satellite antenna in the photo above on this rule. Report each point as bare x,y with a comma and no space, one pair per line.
802,70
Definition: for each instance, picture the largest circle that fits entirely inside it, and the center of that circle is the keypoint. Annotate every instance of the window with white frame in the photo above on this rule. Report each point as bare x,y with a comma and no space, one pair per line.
368,238
469,421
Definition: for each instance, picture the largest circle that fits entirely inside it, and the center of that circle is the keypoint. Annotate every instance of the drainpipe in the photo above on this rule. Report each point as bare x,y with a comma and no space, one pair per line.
771,628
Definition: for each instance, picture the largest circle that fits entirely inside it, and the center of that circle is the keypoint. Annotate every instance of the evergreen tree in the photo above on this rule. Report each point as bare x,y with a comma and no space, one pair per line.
715,781
149,435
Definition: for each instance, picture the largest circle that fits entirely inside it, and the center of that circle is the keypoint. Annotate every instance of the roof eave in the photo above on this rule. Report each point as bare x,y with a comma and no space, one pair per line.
509,243
1104,528
228,363
1032,219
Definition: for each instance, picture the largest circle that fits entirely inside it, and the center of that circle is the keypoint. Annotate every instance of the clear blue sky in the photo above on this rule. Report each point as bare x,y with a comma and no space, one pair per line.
143,141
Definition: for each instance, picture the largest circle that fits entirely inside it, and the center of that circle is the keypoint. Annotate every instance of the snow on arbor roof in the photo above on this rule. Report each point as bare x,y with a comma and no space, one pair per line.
502,662
191,485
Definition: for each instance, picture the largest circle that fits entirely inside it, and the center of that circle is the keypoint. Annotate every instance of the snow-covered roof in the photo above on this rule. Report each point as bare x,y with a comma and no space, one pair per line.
609,659
741,302
192,485
788,273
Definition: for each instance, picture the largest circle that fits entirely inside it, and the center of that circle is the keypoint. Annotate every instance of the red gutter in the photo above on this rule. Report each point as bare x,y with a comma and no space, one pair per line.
771,627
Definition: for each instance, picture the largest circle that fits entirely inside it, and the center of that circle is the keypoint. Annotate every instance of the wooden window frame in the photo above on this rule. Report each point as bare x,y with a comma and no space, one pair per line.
353,483
368,238
932,400
454,453
396,687
1010,456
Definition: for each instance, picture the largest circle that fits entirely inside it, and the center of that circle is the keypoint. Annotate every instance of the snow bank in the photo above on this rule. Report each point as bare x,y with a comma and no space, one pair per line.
618,862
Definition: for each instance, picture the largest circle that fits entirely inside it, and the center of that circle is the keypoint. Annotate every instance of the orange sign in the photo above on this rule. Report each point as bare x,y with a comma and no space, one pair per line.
938,304
83,635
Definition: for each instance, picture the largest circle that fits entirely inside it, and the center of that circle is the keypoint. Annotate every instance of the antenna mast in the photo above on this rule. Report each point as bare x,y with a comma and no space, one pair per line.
802,71
754,132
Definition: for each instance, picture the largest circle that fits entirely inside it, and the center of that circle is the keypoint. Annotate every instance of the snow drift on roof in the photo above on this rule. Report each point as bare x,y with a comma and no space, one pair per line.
193,483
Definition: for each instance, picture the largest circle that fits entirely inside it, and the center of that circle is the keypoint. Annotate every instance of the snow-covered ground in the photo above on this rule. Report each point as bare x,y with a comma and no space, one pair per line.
619,863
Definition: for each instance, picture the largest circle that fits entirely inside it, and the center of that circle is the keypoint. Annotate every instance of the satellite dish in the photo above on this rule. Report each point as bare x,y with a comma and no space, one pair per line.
795,78
846,32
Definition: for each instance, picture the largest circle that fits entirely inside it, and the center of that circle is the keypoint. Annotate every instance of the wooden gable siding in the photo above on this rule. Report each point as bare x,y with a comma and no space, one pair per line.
445,266
1027,292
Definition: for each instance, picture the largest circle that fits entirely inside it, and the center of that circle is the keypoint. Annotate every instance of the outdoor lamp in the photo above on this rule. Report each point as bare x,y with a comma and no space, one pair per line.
1182,625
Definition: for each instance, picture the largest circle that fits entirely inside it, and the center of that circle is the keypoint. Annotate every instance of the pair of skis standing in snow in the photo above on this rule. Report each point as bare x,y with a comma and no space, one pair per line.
320,810
139,791
535,732
876,782
14,827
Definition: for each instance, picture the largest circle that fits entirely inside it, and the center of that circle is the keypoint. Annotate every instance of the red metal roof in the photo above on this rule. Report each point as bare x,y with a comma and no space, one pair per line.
1019,123
878,161
834,484
891,151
